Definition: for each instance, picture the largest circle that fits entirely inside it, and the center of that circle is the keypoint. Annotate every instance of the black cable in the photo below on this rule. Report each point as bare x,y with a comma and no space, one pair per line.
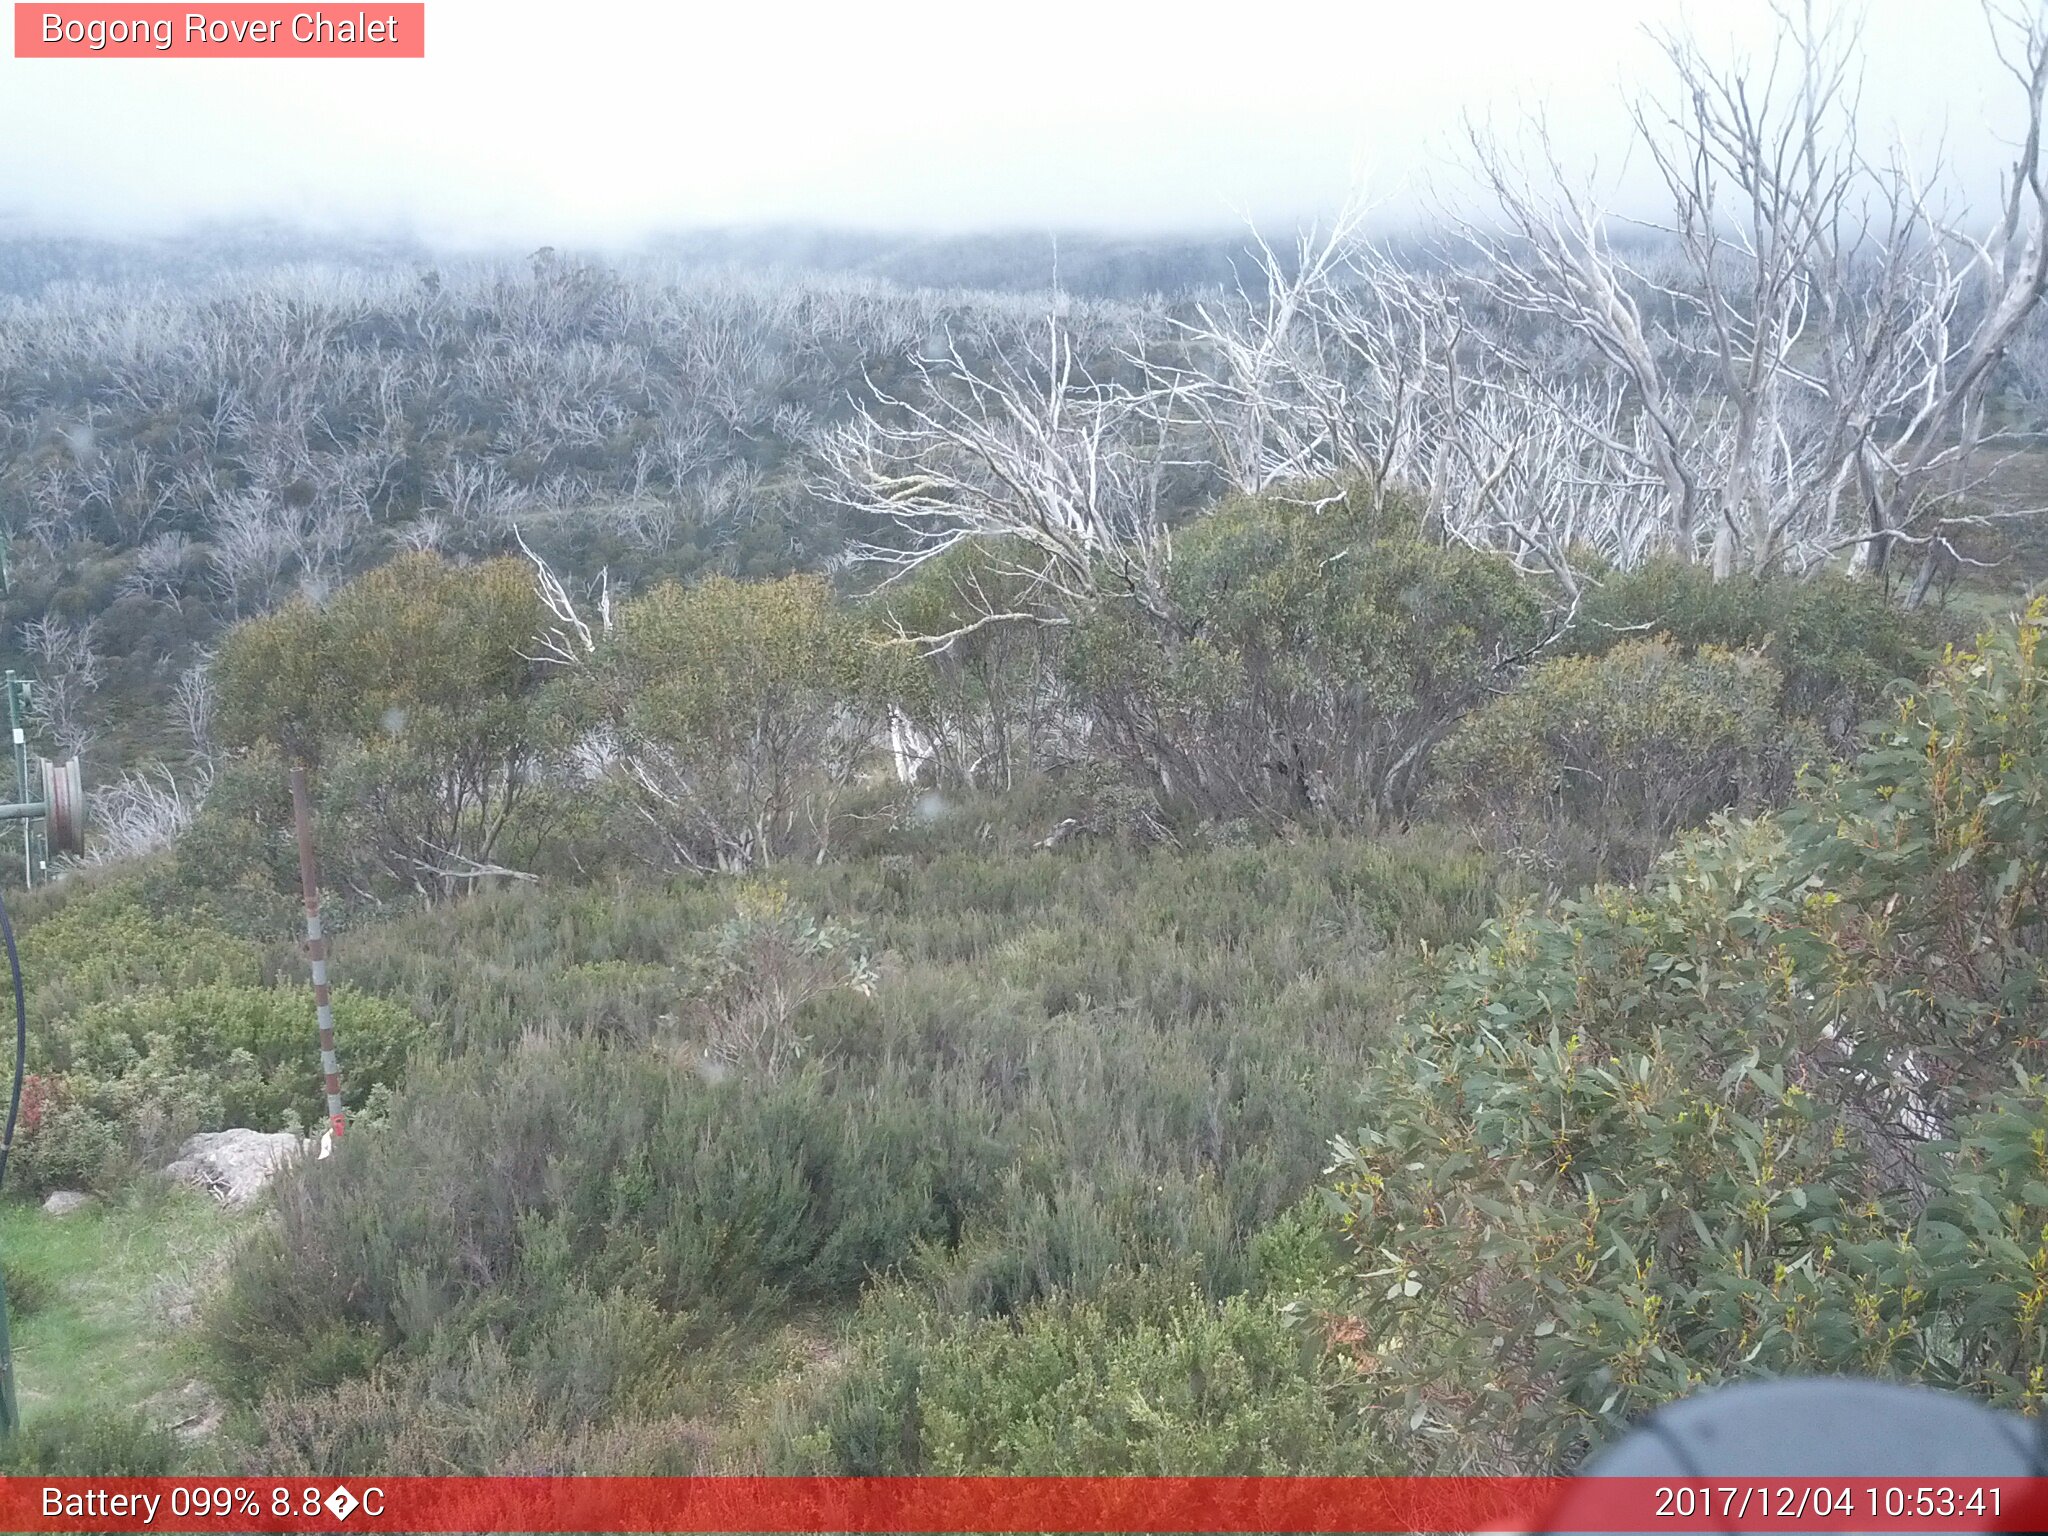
20,1039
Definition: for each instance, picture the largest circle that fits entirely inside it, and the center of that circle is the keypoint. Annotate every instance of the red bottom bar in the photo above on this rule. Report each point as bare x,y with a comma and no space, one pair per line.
1052,1504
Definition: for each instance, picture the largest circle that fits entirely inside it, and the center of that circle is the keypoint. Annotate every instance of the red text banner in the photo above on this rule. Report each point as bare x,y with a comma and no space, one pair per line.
975,1504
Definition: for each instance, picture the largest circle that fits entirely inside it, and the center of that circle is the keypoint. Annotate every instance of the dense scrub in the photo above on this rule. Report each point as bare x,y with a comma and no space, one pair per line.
1149,1376
1067,1065
1321,647
1839,643
1780,1108
148,1029
1592,763
1305,665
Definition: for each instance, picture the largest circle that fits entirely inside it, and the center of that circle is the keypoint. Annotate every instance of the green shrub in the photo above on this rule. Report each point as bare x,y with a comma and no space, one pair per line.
241,840
988,701
1151,1377
1322,646
105,944
132,1080
763,966
608,1386
1933,849
145,1030
94,1135
64,1443
1592,1154
1757,1116
1599,760
743,710
1073,1063
415,690
255,1047
1839,643
497,1188
29,1289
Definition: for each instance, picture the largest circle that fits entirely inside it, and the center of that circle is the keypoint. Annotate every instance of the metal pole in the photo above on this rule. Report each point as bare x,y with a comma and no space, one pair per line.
316,948
10,1413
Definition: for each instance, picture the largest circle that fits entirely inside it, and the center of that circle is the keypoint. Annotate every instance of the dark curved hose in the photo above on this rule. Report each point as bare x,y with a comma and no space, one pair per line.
20,1040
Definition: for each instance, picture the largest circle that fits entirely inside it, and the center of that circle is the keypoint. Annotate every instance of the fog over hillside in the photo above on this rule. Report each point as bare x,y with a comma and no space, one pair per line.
607,124
1087,263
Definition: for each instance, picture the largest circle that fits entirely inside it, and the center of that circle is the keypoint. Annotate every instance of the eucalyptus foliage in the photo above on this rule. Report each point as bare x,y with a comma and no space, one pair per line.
1780,1108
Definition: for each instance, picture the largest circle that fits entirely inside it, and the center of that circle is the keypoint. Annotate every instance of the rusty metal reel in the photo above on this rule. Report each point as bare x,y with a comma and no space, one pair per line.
64,793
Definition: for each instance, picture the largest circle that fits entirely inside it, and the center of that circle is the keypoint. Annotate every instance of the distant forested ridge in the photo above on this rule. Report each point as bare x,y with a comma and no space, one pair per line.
1817,362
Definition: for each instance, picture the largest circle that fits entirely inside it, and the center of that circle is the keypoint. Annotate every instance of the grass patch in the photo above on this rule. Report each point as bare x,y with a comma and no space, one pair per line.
115,1286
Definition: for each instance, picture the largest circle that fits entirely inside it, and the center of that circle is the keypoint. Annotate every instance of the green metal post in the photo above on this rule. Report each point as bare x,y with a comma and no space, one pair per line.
10,1416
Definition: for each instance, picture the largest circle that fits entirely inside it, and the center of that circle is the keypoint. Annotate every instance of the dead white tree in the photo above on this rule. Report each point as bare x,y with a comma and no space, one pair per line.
159,569
68,672
1976,290
1350,365
1539,466
1809,375
192,705
124,484
427,533
250,548
569,640
143,811
1247,377
1030,457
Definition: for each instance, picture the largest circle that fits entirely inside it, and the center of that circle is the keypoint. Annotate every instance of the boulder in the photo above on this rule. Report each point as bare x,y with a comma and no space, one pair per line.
234,1166
63,1202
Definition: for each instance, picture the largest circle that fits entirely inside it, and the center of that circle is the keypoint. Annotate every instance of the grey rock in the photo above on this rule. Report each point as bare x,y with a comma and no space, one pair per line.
63,1202
234,1166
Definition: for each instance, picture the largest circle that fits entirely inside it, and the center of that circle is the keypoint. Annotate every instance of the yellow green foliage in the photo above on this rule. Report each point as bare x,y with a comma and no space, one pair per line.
1322,645
145,1028
746,708
413,688
1609,755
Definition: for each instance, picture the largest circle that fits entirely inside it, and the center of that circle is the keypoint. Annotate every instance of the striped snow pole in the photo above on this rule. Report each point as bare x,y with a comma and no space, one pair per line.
316,949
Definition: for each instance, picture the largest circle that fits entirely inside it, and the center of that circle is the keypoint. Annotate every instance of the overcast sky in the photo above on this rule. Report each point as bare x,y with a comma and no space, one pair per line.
598,121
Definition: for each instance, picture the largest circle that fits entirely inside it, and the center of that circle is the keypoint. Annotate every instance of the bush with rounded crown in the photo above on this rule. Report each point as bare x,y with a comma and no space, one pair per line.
1600,759
1322,645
